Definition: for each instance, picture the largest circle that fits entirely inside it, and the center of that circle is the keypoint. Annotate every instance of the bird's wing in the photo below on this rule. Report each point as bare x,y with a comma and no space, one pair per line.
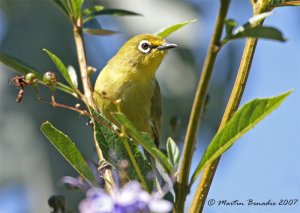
156,112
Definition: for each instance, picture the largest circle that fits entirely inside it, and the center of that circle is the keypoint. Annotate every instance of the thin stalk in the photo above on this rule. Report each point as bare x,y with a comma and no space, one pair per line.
88,98
65,88
134,163
78,36
107,174
197,109
233,103
129,151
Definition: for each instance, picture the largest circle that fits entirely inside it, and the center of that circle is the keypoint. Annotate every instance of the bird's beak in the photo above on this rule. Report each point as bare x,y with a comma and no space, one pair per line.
166,46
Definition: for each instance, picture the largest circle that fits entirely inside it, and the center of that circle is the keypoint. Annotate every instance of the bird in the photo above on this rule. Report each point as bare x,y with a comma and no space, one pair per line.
129,77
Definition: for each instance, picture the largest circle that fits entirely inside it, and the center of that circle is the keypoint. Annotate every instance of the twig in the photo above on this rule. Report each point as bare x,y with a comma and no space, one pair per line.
81,112
55,104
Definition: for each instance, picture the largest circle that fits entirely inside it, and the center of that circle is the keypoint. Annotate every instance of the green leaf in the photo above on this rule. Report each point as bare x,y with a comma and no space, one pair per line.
92,12
63,5
259,32
100,32
61,67
171,29
18,65
255,20
69,151
114,151
72,8
22,68
147,144
173,153
251,29
230,24
76,6
281,3
116,12
241,122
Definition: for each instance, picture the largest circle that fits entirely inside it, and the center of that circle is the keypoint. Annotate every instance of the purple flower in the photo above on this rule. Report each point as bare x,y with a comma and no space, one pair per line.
97,200
75,183
130,199
79,182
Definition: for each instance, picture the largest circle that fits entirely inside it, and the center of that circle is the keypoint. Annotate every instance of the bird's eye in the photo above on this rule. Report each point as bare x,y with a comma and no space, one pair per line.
144,46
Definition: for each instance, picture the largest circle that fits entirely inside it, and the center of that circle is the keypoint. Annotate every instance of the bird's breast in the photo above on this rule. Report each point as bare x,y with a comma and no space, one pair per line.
135,99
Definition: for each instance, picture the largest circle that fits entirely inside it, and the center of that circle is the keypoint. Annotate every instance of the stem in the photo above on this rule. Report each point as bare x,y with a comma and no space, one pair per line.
107,174
233,103
198,105
64,88
129,151
80,111
83,66
135,164
88,98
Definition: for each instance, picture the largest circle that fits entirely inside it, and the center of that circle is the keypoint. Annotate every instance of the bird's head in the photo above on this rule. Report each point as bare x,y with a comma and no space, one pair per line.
143,53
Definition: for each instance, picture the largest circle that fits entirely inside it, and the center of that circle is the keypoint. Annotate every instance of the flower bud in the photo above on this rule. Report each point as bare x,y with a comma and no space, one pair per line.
30,77
50,78
91,70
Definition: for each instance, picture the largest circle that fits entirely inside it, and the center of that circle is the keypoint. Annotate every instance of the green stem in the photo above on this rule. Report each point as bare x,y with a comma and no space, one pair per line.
233,103
65,89
135,164
130,153
198,105
209,170
20,67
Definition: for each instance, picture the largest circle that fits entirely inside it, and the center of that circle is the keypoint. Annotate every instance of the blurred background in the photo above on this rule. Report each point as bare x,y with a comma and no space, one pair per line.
264,164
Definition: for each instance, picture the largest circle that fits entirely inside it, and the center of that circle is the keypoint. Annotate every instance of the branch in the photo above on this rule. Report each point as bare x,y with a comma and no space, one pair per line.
232,105
88,98
78,36
198,105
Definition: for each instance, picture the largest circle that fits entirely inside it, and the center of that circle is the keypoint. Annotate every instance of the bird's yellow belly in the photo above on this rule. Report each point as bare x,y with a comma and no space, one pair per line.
135,103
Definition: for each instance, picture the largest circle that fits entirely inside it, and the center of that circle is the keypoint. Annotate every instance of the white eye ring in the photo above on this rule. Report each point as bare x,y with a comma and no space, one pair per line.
144,46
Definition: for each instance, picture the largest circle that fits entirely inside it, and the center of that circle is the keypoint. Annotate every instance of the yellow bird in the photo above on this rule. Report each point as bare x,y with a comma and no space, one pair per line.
130,77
